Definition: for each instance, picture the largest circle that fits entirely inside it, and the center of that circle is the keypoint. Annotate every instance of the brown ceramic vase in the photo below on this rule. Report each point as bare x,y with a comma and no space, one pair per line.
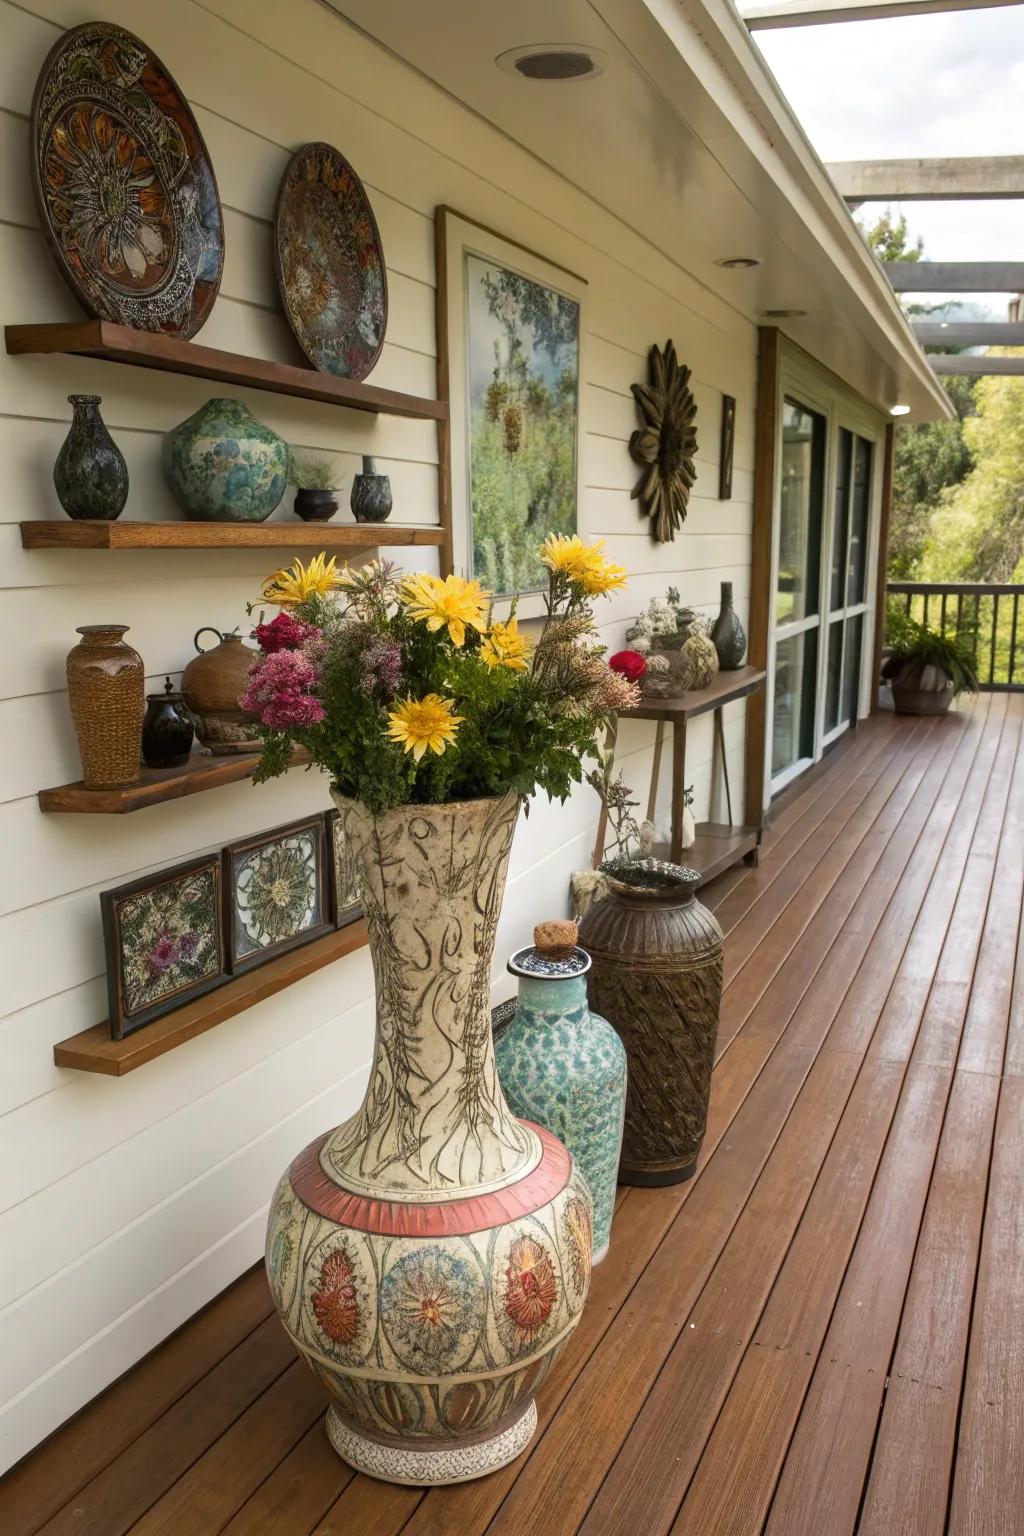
211,684
106,696
657,978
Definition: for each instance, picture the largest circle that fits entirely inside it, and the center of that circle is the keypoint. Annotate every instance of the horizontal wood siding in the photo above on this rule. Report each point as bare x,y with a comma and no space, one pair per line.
126,1204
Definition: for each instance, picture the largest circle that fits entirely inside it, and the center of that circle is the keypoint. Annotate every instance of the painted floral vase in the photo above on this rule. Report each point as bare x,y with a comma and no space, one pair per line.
657,977
565,1067
430,1257
90,474
224,466
727,634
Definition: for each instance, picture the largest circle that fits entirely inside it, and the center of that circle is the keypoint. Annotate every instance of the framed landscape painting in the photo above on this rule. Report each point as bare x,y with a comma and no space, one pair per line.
511,365
277,892
163,941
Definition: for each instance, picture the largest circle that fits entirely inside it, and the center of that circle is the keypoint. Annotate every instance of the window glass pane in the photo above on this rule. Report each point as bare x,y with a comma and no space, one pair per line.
851,666
803,458
832,677
840,517
793,718
857,568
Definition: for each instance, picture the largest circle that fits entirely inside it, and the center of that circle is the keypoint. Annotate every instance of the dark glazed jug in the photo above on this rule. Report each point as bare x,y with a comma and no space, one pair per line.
657,978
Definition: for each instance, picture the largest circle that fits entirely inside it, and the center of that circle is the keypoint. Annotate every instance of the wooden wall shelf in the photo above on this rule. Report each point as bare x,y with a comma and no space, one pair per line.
85,533
94,1051
149,349
156,786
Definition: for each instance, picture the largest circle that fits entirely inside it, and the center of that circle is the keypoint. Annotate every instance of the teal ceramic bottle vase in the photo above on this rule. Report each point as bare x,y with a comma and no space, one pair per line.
564,1067
224,466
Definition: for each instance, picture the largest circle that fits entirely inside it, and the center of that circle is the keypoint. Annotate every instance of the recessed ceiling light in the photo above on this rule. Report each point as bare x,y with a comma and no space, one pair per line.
784,314
899,410
562,62
738,261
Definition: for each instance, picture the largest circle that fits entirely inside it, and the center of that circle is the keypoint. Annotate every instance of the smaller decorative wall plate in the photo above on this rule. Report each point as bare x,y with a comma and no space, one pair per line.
124,185
330,267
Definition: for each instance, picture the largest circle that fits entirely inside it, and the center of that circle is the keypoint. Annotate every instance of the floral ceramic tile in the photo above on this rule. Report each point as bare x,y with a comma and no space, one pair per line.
277,892
345,872
163,941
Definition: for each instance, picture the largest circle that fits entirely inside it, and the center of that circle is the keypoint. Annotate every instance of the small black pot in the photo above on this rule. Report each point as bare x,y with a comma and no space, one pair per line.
314,506
167,730
371,494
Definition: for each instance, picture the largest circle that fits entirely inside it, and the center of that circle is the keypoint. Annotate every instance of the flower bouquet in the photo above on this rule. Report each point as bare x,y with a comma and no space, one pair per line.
406,691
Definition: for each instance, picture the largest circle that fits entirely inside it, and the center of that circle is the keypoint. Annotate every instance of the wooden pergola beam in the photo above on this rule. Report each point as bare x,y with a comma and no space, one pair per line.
929,180
1013,366
813,13
955,276
969,333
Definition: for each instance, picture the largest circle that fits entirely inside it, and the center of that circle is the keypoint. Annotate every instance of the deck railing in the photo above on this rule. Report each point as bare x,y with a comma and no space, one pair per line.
983,614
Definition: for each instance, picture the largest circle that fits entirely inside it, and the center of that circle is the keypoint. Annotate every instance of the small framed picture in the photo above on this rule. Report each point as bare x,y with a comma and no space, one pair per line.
164,943
728,440
277,892
347,906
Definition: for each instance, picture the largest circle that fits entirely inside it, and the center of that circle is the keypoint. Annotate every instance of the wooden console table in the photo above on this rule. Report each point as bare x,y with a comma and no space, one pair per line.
719,844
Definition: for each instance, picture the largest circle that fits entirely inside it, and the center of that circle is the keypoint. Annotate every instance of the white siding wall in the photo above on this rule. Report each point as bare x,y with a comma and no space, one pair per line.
127,1204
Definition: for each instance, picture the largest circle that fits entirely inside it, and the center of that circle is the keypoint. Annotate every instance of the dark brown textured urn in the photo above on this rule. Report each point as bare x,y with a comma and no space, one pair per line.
657,978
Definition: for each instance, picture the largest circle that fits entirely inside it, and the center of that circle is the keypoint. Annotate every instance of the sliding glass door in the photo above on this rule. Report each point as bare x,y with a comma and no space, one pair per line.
797,615
821,599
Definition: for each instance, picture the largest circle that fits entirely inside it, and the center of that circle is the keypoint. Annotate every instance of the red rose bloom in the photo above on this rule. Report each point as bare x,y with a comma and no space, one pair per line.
629,664
282,634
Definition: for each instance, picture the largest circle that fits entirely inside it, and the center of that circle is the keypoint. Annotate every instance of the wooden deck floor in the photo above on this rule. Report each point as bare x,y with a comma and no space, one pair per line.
822,1333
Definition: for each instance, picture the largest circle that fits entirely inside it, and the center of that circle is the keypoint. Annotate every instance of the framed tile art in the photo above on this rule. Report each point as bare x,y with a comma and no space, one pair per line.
277,892
163,941
347,905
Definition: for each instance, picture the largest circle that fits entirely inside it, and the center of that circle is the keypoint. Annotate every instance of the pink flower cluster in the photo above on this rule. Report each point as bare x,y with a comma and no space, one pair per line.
280,689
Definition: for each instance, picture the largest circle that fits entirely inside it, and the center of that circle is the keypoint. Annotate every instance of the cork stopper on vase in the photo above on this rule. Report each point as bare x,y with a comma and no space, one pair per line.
556,938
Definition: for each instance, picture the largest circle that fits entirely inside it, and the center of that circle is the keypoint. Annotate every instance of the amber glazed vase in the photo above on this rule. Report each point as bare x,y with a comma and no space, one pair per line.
657,978
430,1258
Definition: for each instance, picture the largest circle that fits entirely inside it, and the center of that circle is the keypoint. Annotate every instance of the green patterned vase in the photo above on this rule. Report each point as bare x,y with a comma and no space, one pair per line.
565,1068
224,466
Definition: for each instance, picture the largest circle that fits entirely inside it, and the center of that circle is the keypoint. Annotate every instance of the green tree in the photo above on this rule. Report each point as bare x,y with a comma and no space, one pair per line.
977,531
889,239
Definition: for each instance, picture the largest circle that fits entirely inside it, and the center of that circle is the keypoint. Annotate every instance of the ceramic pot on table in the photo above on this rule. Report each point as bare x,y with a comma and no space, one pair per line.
430,1257
727,634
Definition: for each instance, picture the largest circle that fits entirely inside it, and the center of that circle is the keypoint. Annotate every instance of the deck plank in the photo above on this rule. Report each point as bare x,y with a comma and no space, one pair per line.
728,1376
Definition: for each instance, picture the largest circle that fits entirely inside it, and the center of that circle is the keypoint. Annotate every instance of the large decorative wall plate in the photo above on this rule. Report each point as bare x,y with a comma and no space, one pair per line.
330,267
124,185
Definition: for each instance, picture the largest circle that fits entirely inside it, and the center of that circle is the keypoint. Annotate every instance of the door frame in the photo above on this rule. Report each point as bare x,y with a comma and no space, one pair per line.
799,378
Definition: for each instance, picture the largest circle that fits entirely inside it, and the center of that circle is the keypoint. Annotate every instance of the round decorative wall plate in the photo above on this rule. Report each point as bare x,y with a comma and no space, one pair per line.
124,185
330,266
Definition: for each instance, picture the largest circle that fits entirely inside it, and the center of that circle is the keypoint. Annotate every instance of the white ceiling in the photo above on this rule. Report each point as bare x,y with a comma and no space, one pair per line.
686,139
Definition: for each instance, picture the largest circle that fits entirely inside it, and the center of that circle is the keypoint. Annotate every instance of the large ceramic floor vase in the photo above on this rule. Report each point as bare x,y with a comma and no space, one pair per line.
431,1257
657,978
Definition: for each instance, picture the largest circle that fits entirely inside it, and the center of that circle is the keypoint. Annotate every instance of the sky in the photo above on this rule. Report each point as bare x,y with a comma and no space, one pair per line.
948,84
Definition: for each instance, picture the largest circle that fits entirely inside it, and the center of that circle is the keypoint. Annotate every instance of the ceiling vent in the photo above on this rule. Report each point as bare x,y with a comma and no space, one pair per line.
554,62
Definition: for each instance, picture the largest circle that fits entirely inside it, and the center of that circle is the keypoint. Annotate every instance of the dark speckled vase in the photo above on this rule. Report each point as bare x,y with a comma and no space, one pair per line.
727,633
90,474
657,979
371,494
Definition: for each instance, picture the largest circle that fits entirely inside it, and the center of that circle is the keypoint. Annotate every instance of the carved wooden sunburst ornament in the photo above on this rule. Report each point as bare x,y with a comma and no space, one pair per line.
666,443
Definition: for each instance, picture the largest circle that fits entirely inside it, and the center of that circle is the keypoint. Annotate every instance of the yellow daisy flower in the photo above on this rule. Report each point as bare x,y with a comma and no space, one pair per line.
585,564
422,723
504,646
290,587
450,604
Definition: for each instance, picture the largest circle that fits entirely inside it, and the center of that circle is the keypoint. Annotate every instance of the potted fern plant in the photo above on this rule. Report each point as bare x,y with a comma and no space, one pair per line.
926,669
315,481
